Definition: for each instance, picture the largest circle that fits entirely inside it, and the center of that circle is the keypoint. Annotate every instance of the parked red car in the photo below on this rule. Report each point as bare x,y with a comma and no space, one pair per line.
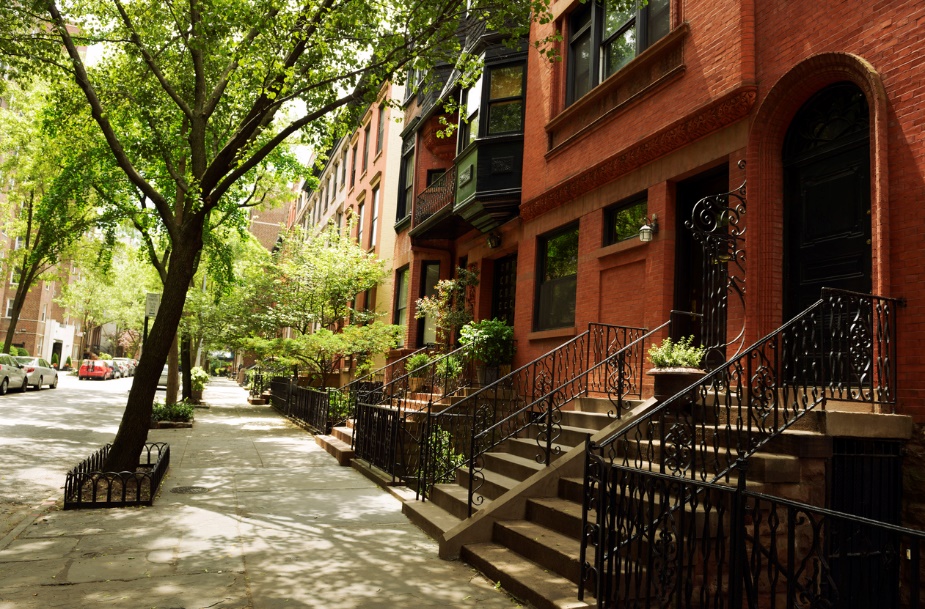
95,369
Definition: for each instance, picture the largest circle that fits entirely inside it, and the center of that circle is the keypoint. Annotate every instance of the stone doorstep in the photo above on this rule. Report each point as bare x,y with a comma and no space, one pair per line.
337,448
867,425
256,401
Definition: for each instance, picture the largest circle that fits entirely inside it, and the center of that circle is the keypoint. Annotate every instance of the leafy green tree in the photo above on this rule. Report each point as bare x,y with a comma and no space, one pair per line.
449,306
196,99
48,187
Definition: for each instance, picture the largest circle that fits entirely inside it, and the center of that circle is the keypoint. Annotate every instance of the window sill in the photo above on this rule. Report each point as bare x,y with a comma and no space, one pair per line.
657,65
402,224
619,246
554,333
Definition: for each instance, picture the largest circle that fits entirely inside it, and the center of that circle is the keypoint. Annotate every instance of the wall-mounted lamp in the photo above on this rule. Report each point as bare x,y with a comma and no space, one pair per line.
649,229
494,240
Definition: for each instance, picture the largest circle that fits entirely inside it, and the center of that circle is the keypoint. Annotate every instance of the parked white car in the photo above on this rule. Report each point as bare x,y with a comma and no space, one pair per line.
38,372
126,365
11,374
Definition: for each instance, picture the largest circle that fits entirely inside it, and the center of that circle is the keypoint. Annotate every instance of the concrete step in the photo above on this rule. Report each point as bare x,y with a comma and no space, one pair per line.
603,405
566,435
523,578
528,449
572,489
344,434
430,517
454,499
560,515
587,420
548,548
510,465
337,448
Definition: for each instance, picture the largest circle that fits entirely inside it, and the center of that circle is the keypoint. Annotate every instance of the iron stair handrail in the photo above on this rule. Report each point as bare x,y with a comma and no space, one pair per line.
680,444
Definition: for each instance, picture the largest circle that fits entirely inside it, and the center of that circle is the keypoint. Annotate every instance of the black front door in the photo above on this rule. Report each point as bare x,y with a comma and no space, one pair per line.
692,289
504,287
827,238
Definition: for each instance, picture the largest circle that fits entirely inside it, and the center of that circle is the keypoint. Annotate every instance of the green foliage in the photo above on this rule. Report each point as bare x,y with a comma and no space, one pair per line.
104,356
681,354
418,360
443,453
55,360
491,340
67,362
449,307
22,352
178,412
449,368
338,405
198,378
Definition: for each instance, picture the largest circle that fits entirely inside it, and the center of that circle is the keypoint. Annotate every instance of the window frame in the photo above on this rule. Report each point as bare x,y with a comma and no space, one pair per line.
374,216
353,168
596,12
610,237
401,306
366,134
360,219
488,101
540,324
405,186
380,129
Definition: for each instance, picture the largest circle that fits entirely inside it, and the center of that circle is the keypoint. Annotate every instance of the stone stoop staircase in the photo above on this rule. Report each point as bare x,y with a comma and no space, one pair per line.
532,545
339,443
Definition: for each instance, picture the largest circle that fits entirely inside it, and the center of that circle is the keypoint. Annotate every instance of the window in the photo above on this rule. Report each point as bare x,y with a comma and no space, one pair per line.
44,311
406,189
557,273
374,218
360,225
353,167
505,99
604,36
400,318
366,147
15,274
9,307
623,220
469,126
343,170
334,174
19,243
380,129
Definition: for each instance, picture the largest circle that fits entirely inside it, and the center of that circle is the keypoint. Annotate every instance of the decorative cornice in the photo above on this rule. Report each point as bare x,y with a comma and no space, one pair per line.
724,111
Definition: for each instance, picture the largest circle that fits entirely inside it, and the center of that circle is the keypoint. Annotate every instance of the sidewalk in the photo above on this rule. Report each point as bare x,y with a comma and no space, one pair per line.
279,524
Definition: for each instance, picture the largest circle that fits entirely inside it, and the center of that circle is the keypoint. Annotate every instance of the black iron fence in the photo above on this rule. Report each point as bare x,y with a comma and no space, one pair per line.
723,546
605,360
841,348
88,485
280,388
388,430
310,406
257,383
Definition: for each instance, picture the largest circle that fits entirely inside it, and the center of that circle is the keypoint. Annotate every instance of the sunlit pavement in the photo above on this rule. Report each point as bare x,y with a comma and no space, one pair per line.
279,525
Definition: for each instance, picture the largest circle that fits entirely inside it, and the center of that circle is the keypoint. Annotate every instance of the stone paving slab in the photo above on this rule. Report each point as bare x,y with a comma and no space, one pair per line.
278,525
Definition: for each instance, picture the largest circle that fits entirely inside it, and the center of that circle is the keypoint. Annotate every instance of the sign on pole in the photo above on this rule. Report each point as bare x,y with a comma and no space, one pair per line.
152,302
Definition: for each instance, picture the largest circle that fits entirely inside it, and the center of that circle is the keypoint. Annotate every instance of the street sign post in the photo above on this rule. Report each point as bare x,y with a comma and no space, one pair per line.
152,303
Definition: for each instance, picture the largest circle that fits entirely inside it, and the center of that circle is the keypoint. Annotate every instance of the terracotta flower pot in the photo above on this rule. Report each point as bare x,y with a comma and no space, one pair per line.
671,381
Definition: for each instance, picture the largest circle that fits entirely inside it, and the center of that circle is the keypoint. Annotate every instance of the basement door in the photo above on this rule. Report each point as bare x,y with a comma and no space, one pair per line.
827,234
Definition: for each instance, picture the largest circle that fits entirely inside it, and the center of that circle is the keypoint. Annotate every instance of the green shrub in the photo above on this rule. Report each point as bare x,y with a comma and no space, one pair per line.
680,354
449,368
104,356
55,360
198,378
417,361
179,412
492,341
67,362
444,455
21,352
338,405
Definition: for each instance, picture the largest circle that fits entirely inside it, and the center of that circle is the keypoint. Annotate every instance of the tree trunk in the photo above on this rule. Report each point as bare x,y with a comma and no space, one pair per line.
18,300
172,391
185,366
133,430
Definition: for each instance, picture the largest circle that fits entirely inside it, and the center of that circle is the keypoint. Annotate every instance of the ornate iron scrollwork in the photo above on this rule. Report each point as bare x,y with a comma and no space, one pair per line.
716,224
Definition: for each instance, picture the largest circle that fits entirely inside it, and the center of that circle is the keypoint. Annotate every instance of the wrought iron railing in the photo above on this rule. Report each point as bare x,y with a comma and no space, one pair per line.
438,195
367,387
89,485
531,396
841,348
256,383
728,547
280,388
388,432
615,366
310,406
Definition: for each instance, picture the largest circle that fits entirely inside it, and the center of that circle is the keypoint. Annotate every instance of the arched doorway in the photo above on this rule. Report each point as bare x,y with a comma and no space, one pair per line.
827,211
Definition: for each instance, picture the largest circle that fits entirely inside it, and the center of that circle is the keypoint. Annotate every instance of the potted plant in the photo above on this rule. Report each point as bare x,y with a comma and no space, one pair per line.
677,366
67,363
198,380
415,366
492,343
